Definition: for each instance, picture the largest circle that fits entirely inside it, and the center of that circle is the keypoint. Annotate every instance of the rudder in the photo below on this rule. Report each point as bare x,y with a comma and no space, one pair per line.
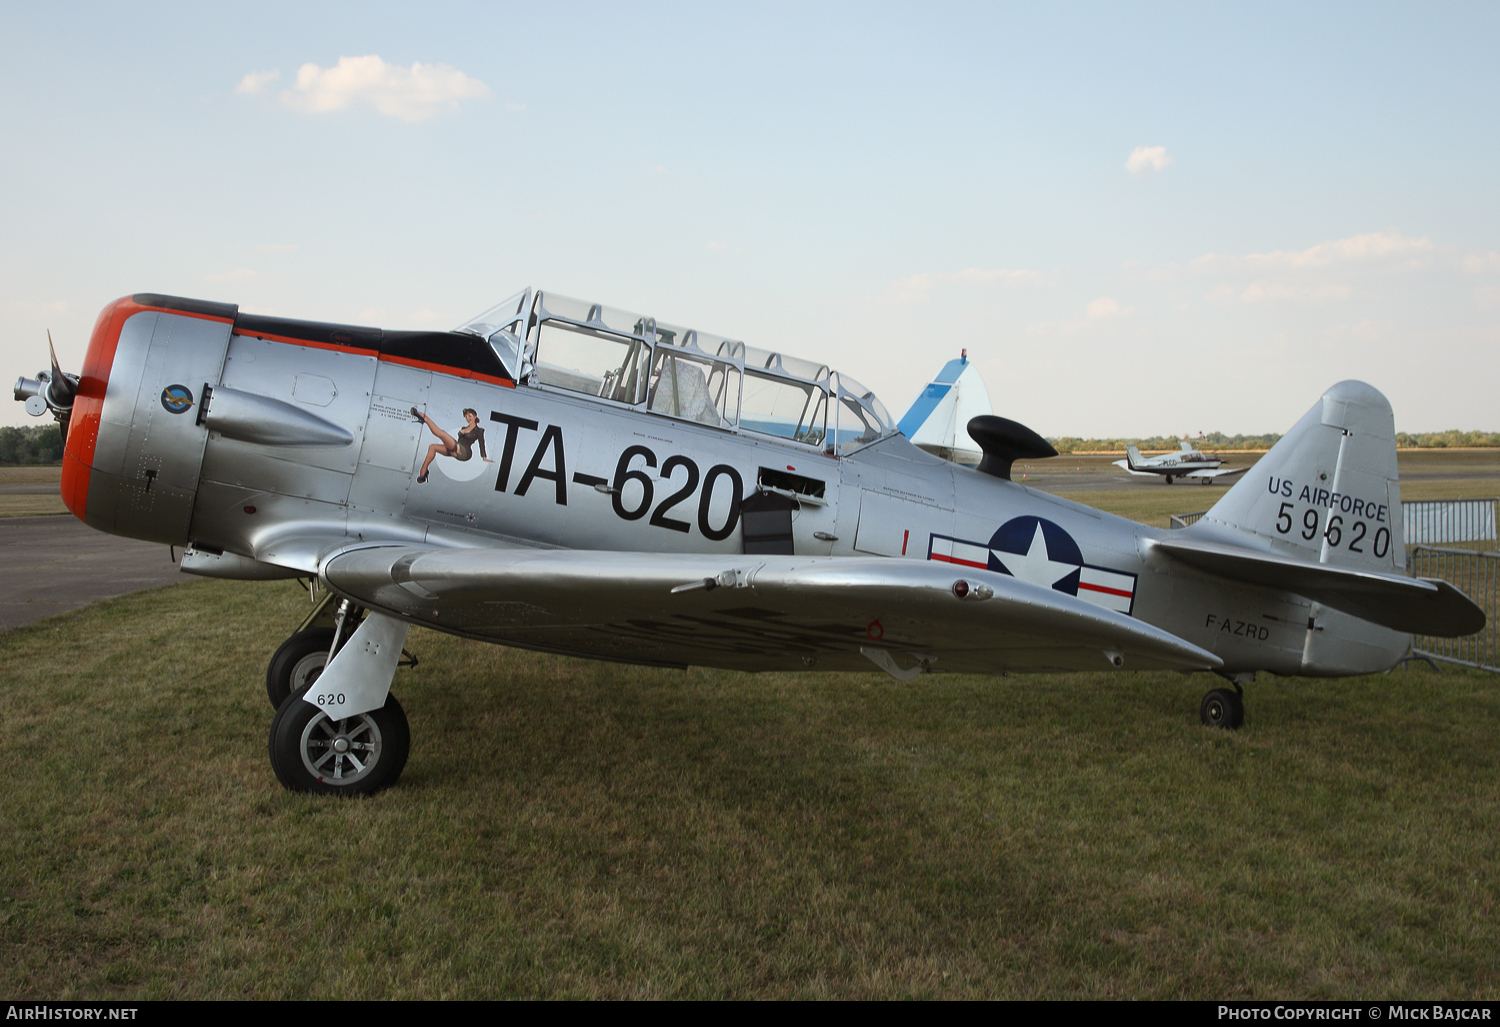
1328,490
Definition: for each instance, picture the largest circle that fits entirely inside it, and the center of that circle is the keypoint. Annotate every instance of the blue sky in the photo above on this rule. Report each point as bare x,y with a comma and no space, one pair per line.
1312,196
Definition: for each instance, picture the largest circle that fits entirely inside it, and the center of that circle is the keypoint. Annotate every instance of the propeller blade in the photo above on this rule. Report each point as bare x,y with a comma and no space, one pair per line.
63,388
60,391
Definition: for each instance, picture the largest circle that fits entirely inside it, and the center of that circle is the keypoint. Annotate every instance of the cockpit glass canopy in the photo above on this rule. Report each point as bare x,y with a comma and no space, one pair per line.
546,340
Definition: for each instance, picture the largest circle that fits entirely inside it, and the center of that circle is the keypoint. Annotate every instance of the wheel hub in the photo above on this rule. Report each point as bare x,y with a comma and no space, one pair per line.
340,752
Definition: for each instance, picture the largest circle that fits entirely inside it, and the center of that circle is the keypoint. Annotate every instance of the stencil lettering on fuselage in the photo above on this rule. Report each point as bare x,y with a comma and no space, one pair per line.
1040,552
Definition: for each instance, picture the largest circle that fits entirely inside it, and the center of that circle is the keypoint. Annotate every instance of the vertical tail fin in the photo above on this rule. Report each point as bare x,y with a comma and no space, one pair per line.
1327,492
1133,457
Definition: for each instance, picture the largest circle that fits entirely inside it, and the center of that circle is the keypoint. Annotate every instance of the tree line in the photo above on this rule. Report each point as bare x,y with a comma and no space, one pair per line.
1453,439
38,444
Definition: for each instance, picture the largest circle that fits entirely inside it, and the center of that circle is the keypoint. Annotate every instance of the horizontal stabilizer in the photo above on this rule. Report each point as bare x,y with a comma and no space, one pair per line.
740,611
1421,606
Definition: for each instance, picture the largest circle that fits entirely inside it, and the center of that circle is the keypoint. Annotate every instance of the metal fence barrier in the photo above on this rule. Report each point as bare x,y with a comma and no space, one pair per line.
1183,520
1443,522
1477,575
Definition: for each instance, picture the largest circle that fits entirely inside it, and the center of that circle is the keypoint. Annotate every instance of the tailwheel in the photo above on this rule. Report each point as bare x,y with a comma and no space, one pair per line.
358,755
1223,708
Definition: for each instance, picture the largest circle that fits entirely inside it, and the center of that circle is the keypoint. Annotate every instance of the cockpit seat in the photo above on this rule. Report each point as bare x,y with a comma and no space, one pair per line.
682,391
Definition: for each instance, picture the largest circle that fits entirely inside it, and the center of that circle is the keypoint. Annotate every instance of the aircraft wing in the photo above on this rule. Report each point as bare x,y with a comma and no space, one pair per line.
1422,606
1215,473
758,613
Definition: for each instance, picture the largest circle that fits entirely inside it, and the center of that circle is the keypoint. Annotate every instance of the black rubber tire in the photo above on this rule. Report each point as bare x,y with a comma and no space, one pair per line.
302,737
1222,708
297,664
1169,479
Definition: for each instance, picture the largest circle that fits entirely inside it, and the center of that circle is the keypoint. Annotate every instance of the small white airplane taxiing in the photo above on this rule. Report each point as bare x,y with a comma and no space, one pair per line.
567,477
1187,462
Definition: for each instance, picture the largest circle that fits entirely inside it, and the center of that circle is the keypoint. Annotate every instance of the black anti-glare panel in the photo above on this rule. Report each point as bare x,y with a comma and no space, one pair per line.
458,350
187,306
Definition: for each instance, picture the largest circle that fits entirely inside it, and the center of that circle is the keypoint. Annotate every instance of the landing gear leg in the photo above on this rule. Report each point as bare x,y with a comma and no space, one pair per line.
302,657
297,663
344,733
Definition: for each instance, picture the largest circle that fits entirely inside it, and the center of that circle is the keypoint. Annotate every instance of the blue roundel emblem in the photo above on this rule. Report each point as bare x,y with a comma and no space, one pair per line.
1038,551
176,399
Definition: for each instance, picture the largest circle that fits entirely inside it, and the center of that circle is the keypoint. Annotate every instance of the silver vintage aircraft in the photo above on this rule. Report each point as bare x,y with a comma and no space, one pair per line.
1187,462
566,477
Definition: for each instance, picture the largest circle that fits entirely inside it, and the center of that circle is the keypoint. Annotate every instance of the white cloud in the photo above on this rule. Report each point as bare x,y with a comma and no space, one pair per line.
1371,246
35,308
1364,330
257,81
1104,306
919,288
1147,160
1263,292
1356,248
239,274
382,316
416,93
1487,262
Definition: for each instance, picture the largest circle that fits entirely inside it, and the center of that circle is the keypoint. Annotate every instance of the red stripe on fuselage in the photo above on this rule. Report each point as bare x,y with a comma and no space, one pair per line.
1106,590
88,403
954,559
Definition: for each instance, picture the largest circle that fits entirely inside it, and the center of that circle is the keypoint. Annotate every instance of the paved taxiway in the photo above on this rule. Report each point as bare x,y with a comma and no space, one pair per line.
55,564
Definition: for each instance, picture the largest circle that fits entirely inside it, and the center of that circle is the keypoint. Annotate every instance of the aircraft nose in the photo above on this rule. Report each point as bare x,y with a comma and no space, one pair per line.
88,404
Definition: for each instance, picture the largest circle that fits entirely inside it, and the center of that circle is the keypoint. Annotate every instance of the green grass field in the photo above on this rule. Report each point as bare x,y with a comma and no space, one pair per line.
568,828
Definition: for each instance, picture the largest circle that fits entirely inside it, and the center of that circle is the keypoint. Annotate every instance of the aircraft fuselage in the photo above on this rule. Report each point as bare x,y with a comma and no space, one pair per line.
300,438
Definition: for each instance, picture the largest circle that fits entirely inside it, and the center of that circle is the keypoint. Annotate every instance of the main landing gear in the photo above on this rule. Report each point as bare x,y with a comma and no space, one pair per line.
337,729
358,755
1225,707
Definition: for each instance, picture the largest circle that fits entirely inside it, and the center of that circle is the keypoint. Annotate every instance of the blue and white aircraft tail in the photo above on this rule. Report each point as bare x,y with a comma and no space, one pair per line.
938,419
